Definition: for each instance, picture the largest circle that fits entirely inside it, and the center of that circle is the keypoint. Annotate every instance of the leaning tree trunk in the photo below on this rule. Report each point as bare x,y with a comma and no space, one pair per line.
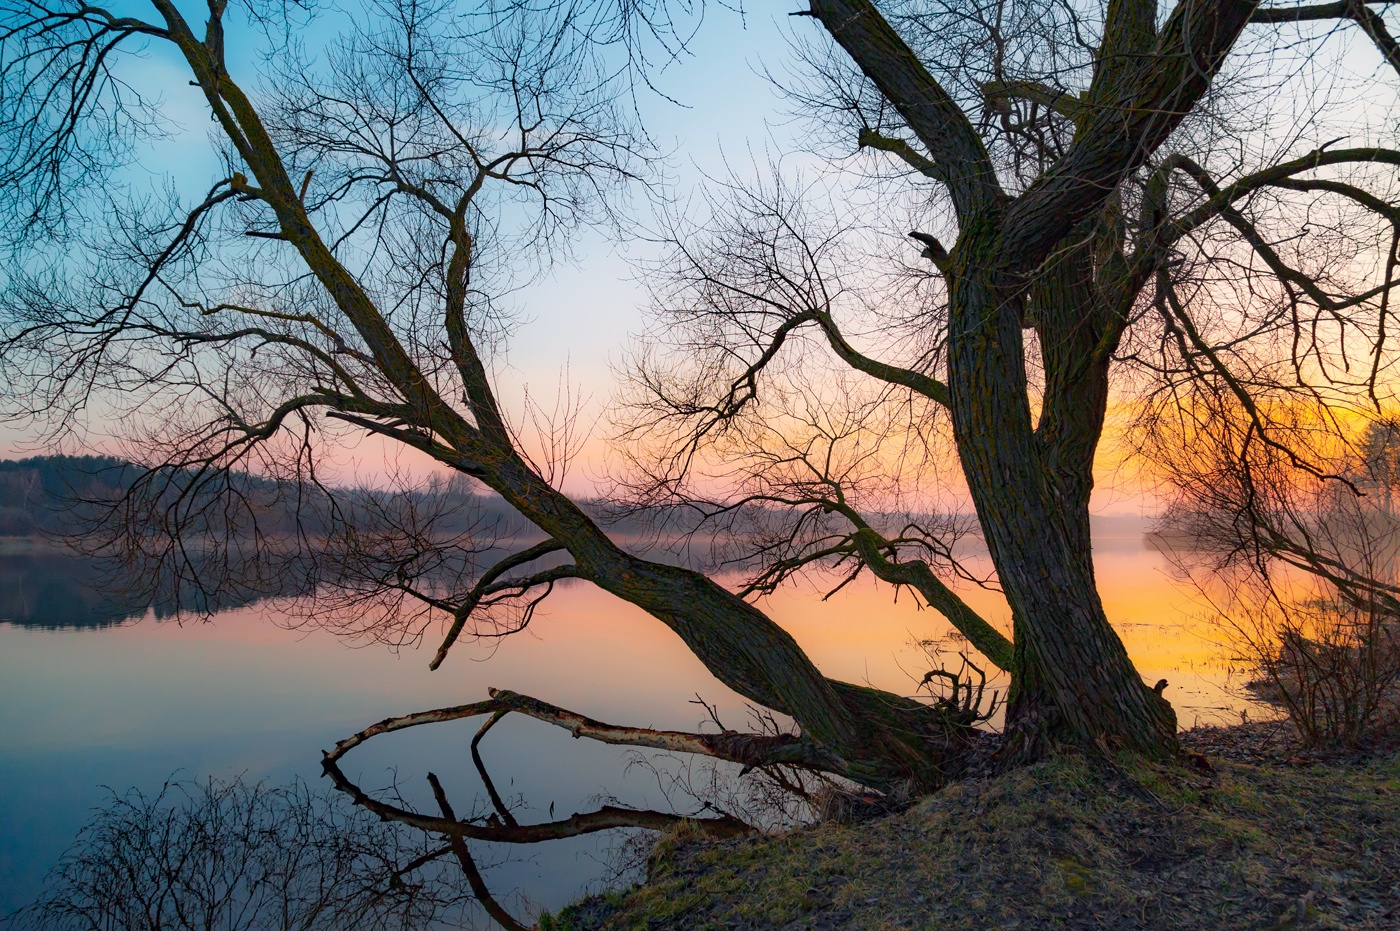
1073,680
876,738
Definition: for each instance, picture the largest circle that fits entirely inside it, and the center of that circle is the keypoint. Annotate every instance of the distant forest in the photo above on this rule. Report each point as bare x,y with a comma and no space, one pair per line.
37,495
54,497
51,496
60,495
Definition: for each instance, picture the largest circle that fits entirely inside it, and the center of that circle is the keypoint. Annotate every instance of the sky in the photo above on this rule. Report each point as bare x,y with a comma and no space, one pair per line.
577,321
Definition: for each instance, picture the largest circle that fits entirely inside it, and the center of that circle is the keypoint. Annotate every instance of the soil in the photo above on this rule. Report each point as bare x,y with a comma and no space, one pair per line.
1262,837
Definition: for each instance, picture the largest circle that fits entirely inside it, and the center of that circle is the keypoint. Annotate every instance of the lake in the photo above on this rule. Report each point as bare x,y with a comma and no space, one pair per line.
128,704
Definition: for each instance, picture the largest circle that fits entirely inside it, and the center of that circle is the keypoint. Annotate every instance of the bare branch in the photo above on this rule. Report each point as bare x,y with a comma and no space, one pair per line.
488,584
745,749
929,111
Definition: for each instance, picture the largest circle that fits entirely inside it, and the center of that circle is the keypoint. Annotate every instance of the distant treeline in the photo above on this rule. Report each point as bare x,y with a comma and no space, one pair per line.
38,495
68,497
60,495
93,497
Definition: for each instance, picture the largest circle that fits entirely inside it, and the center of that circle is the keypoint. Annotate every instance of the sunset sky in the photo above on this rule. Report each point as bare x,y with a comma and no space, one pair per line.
727,115
578,321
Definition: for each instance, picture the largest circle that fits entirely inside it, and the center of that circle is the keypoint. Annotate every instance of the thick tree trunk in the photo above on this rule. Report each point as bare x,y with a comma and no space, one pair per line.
1072,678
1072,675
1076,343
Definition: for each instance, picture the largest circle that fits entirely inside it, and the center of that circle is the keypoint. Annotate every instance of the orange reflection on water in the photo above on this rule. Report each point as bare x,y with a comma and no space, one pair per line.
242,673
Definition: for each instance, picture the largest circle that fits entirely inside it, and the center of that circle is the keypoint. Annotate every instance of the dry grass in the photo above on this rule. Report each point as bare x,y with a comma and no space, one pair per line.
1069,843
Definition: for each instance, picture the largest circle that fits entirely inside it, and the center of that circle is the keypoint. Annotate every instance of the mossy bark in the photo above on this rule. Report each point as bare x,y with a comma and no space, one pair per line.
1072,676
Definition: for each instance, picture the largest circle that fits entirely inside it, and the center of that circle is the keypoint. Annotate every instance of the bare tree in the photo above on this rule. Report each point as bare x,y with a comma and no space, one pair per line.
379,197
1300,572
343,279
1130,233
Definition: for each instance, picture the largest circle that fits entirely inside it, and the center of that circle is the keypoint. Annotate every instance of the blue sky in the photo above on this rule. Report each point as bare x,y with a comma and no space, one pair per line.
577,317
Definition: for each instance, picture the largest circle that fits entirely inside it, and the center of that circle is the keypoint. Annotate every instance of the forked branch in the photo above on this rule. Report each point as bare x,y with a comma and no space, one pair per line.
491,585
750,750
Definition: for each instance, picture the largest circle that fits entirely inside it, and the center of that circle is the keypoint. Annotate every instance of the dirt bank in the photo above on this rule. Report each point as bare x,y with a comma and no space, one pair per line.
1281,842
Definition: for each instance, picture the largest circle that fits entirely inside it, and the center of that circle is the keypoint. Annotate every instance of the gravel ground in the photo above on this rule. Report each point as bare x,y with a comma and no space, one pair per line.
1267,838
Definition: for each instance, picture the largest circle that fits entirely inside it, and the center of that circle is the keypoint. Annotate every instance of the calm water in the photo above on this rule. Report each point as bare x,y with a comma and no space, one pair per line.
128,705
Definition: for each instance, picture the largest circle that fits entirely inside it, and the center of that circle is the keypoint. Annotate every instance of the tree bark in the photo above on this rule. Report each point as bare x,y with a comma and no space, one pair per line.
875,737
1073,679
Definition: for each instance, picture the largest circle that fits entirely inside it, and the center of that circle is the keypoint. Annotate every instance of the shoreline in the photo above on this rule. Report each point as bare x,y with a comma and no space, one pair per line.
1284,841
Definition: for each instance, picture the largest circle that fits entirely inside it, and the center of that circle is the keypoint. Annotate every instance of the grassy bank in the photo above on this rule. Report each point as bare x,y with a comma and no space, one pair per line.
1070,843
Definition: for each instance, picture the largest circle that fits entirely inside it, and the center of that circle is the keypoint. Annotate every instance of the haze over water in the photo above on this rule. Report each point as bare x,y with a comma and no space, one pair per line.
130,705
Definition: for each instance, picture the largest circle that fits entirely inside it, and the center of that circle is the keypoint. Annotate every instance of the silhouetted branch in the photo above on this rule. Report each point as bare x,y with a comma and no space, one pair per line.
1361,12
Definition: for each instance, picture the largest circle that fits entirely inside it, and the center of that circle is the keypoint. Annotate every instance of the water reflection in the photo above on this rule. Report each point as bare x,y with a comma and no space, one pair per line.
56,591
239,856
125,705
235,855
61,591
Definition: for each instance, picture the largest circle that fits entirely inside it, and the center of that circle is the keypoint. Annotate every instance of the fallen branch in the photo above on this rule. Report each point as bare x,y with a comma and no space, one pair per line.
750,750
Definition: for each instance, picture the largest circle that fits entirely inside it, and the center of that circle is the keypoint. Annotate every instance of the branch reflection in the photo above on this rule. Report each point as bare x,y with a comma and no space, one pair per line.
238,856
241,856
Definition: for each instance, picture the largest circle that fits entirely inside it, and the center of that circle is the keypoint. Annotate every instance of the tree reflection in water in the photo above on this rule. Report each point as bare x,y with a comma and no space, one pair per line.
235,856
239,856
230,856
51,589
